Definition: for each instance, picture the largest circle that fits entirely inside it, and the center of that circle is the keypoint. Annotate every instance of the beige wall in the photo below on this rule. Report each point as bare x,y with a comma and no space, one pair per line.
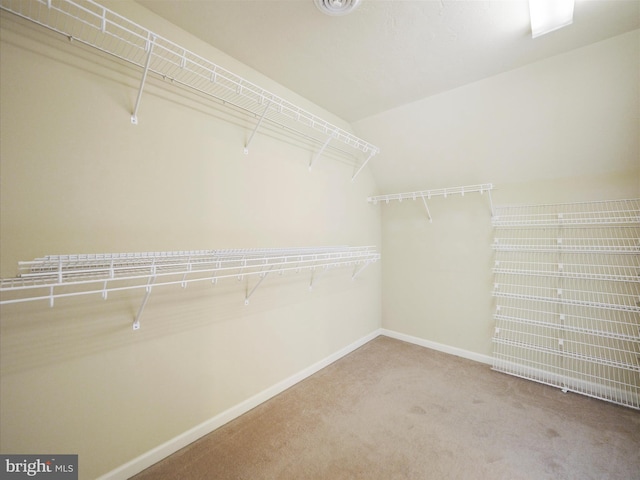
77,177
564,129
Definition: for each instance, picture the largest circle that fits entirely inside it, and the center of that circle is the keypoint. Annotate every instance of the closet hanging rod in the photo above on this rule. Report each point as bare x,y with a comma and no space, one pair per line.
94,25
425,195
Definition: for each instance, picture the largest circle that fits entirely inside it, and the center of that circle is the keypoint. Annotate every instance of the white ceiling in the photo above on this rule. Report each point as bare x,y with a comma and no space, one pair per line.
387,52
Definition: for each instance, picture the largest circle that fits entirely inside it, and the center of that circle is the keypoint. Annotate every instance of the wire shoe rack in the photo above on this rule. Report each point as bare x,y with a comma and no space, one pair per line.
92,24
58,276
567,289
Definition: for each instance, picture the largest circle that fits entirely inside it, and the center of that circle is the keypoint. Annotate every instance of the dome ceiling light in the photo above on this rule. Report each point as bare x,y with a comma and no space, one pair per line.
336,7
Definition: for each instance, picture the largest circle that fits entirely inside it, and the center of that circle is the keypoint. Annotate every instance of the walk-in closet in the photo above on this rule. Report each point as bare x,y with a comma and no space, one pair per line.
327,239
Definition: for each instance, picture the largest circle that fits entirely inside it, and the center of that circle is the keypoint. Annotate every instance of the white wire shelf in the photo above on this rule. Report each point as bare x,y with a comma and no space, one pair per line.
598,381
613,356
567,287
618,296
92,24
612,381
425,195
592,356
615,268
610,324
59,276
622,240
610,212
597,356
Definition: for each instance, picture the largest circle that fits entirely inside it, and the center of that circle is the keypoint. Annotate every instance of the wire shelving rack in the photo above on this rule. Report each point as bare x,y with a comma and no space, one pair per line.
92,24
425,195
608,212
58,276
567,288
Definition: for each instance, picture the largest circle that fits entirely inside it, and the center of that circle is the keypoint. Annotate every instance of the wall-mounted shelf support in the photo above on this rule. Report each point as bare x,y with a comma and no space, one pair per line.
490,200
136,320
91,24
261,279
321,151
427,208
145,299
255,129
427,194
150,43
62,276
316,276
364,164
358,270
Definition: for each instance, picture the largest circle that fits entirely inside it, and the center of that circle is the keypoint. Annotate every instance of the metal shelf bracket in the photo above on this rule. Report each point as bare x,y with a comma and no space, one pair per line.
371,154
150,43
145,299
358,270
320,152
261,278
246,146
315,277
136,320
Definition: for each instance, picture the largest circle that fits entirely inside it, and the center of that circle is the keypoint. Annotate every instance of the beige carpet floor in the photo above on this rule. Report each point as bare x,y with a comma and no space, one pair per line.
392,410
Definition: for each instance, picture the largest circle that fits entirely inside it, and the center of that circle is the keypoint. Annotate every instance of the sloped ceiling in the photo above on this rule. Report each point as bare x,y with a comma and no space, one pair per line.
453,92
386,53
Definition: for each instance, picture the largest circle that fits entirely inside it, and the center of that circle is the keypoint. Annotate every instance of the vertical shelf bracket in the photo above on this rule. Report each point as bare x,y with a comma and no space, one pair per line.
255,129
358,270
263,275
145,299
427,207
319,152
314,277
150,43
490,200
373,152
136,321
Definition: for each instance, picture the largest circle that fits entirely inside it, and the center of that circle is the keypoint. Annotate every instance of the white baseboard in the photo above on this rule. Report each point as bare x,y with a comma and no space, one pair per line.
162,451
459,352
153,456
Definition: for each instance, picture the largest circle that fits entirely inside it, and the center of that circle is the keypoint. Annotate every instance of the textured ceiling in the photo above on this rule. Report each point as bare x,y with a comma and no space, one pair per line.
387,52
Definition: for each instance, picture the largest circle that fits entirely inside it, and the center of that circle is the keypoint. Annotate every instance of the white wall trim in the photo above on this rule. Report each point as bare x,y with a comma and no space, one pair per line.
162,451
441,347
153,456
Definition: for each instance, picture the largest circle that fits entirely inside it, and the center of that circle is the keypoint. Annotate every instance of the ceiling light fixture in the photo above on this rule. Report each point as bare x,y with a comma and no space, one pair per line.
336,7
549,15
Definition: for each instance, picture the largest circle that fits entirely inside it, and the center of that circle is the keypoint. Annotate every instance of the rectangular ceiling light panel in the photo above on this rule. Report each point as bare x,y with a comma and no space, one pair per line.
550,15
